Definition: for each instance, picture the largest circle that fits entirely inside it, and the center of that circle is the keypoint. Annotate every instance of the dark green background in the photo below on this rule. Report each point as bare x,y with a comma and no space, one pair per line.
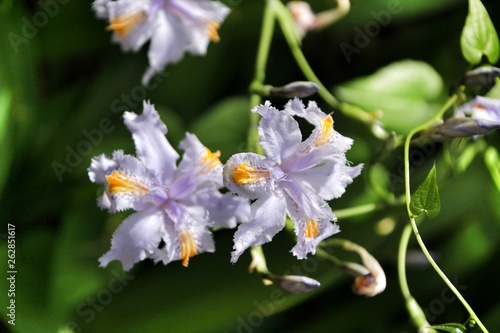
68,77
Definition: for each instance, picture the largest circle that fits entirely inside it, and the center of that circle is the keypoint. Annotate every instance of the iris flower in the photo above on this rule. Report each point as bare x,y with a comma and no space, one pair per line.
173,26
175,205
295,178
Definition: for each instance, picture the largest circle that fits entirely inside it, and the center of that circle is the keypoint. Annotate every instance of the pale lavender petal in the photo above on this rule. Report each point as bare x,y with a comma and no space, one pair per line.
200,10
267,219
200,162
167,43
100,8
225,210
183,186
279,133
139,17
152,146
304,203
312,113
200,18
306,245
329,179
100,166
168,247
136,238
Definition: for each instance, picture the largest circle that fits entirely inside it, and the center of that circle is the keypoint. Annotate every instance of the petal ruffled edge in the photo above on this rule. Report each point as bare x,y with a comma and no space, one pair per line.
306,245
279,133
153,148
267,218
136,238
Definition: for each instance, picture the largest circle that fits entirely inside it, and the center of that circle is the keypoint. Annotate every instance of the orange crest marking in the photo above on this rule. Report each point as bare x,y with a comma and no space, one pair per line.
121,183
188,247
311,229
246,174
125,24
326,133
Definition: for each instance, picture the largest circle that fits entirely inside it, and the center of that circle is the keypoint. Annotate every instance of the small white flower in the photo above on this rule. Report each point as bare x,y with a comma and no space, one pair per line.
173,26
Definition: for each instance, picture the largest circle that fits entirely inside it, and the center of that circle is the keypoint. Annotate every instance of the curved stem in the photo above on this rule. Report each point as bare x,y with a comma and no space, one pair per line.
347,109
416,313
413,223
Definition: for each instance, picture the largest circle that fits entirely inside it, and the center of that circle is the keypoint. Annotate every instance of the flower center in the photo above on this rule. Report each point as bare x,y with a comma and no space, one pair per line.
119,182
326,132
188,247
246,174
311,229
125,24
210,160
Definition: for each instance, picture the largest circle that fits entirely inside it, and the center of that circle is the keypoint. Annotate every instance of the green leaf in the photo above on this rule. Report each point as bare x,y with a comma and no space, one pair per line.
450,327
407,92
479,36
380,181
426,197
492,161
495,91
6,153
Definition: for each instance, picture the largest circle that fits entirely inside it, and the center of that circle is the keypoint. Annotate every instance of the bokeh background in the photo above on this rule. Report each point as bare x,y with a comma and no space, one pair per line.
65,78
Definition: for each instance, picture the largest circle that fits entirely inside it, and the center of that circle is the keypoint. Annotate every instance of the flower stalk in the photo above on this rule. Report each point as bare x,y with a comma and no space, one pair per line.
413,222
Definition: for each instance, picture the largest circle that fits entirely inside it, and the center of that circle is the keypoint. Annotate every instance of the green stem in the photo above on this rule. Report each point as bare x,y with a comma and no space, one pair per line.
347,109
260,73
416,313
413,222
258,260
355,211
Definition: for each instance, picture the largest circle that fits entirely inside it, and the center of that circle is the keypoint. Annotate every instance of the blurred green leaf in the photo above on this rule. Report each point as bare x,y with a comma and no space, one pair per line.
224,127
379,179
6,153
492,161
75,272
479,36
405,91
426,197
495,91
467,155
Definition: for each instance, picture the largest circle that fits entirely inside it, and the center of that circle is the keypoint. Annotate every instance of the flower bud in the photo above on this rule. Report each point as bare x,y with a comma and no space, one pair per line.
295,284
303,16
368,285
479,116
373,282
462,127
295,89
481,77
306,20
